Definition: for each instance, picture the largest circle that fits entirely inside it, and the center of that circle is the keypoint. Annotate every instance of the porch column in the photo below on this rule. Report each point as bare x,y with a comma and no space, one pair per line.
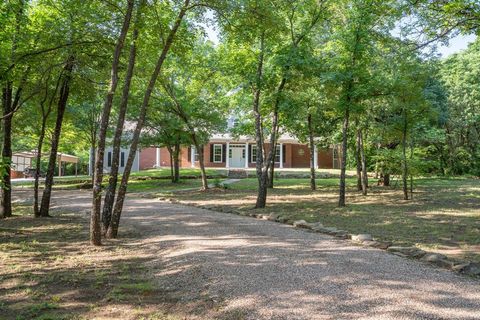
315,154
157,158
192,156
227,156
281,155
247,156
59,159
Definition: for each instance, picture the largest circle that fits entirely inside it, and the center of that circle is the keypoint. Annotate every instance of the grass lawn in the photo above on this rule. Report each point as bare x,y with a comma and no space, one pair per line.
444,215
49,271
154,180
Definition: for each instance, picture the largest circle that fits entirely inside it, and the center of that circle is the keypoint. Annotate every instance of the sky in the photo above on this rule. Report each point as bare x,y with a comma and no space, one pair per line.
455,45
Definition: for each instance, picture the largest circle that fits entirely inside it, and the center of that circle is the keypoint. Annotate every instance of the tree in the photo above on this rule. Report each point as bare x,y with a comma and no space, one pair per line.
95,228
64,92
115,220
192,86
117,139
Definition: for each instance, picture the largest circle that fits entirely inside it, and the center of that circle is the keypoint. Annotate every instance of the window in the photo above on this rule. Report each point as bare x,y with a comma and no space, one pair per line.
109,158
122,159
278,150
195,154
253,156
217,153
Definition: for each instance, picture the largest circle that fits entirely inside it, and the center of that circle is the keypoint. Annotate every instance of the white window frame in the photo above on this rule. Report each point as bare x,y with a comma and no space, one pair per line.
221,153
195,154
253,155
278,153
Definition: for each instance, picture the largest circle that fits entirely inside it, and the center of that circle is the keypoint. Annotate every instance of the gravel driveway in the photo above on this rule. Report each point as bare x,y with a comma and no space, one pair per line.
255,269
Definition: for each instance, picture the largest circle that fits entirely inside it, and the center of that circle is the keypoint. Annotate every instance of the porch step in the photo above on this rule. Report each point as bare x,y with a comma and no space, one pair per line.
237,173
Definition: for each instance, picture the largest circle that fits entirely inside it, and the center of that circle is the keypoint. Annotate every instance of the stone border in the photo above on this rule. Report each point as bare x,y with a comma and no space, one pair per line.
463,267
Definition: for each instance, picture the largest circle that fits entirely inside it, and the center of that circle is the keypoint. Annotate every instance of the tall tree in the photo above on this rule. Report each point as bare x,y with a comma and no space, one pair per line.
117,139
95,227
169,40
61,107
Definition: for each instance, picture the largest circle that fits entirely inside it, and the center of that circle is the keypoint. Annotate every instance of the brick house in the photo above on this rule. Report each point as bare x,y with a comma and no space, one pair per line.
241,154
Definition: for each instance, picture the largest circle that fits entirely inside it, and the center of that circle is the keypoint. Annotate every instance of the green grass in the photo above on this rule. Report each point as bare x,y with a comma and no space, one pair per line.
154,180
183,172
443,216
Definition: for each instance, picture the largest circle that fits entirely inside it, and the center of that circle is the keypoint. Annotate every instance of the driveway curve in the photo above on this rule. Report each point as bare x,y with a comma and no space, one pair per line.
255,269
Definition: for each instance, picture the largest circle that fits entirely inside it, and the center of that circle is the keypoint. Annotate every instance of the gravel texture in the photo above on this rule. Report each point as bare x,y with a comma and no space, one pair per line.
255,269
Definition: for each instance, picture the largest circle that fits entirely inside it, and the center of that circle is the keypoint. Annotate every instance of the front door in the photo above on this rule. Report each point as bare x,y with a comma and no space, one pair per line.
237,156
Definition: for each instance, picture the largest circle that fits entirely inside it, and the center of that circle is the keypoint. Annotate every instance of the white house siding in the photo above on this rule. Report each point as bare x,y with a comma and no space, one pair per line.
107,160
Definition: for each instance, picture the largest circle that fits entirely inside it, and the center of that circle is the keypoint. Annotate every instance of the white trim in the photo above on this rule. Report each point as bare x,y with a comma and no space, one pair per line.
227,158
254,146
281,155
315,159
192,156
247,156
221,152
157,158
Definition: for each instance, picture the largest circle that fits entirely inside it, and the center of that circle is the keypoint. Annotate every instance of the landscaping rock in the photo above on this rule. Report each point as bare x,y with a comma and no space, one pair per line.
272,217
362,237
282,219
382,245
439,260
370,243
301,224
317,225
460,267
342,234
407,251
473,269
433,257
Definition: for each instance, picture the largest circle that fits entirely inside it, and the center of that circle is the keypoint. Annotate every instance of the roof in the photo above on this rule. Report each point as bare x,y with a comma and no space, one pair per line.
227,137
60,156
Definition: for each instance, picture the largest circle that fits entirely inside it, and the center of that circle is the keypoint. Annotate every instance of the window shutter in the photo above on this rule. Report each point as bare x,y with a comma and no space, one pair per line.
224,152
211,152
250,153
189,155
284,151
109,159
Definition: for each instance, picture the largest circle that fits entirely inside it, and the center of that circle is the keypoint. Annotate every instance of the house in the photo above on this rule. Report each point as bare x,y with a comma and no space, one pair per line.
290,153
107,160
230,152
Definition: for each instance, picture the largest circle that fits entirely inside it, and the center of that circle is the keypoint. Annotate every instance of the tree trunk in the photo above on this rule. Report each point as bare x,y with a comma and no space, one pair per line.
261,171
62,105
117,139
386,179
358,161
112,231
170,153
313,184
271,172
176,164
363,163
6,201
201,162
404,156
343,165
41,138
38,160
95,226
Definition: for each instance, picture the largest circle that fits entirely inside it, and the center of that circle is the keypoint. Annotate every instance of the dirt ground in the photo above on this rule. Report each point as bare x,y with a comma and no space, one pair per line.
177,262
